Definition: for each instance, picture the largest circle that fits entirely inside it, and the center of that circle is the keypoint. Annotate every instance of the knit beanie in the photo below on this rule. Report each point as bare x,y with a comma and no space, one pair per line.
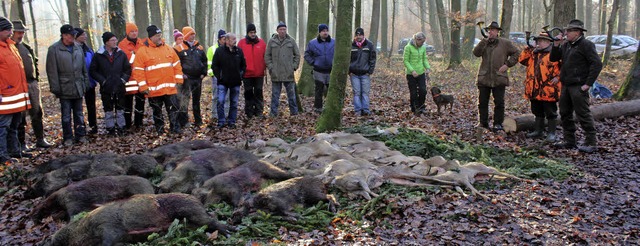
322,27
130,27
359,31
79,32
106,36
187,31
153,30
5,24
176,34
221,33
281,24
251,27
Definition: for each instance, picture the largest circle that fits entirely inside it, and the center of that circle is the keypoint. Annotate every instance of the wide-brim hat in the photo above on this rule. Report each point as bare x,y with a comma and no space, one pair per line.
543,35
19,26
493,25
575,24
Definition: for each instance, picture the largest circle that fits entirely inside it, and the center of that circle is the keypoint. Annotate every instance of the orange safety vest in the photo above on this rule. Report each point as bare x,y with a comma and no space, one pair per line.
13,81
540,72
158,69
130,50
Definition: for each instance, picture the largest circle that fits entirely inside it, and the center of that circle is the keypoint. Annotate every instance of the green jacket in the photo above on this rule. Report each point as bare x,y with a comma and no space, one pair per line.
282,58
210,53
415,59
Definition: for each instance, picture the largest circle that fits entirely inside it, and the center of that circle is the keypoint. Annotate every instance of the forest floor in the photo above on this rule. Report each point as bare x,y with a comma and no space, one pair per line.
597,204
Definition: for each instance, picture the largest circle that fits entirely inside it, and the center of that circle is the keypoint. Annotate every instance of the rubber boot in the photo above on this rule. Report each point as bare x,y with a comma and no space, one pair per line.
539,125
551,131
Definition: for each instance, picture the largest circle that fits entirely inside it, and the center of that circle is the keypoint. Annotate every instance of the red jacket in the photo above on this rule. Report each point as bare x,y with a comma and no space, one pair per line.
158,69
13,81
254,56
130,49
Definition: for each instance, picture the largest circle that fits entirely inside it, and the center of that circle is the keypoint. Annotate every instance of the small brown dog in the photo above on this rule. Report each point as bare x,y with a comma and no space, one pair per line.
442,99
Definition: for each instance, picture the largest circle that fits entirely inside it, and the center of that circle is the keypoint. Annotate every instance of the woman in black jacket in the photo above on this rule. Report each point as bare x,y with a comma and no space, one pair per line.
111,69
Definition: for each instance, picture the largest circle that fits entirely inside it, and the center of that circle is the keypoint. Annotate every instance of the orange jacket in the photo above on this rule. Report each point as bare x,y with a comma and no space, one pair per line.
540,72
158,69
13,81
130,49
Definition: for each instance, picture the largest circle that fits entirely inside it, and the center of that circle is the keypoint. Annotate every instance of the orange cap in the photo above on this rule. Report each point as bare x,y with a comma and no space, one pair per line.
130,27
188,31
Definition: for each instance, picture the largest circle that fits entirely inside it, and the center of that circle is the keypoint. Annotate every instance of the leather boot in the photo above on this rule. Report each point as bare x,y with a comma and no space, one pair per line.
551,131
539,125
42,143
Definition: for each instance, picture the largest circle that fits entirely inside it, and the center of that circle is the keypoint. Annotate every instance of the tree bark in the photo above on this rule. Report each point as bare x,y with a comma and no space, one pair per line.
611,23
603,16
455,60
318,12
623,16
4,8
637,19
33,27
588,14
281,15
434,26
580,10
141,16
358,18
264,20
526,122
423,15
85,22
116,18
180,18
494,9
200,22
156,18
393,29
248,10
17,11
292,18
332,115
630,89
301,24
547,10
469,29
227,19
444,27
384,27
505,17
74,15
375,23
563,12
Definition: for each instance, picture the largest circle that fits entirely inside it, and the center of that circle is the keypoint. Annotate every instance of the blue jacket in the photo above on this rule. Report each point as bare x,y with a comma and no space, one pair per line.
319,54
88,56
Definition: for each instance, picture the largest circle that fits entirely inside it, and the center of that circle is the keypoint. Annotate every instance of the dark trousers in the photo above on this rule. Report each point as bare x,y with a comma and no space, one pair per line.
170,102
35,113
90,101
69,106
253,96
498,101
190,87
544,109
113,102
417,91
9,135
139,110
574,99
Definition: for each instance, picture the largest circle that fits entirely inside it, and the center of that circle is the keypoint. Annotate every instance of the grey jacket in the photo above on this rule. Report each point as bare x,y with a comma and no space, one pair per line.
66,71
282,58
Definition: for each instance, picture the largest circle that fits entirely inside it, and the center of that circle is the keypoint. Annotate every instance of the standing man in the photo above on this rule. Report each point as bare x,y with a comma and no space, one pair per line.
30,62
417,69
580,68
282,59
363,62
228,66
222,40
319,55
194,68
14,94
111,68
68,81
253,48
90,95
130,45
158,71
498,55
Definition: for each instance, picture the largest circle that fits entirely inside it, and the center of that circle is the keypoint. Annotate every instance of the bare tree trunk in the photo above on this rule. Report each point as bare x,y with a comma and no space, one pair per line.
33,27
292,18
200,22
281,14
141,16
264,19
227,18
375,23
301,24
434,26
637,20
505,17
630,89
588,14
469,29
455,59
623,10
580,10
547,9
603,16
74,15
116,18
444,28
17,11
358,18
611,24
180,18
318,12
564,12
384,27
86,22
156,18
393,29
494,9
4,8
212,33
248,10
423,15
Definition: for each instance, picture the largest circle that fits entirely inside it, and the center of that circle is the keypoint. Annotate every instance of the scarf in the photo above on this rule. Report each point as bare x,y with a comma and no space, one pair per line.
359,44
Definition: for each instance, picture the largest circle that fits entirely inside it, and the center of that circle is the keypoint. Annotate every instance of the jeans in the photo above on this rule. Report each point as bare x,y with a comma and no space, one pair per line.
214,99
498,101
35,113
276,88
170,102
417,92
90,101
253,96
67,106
321,81
190,87
9,135
574,99
361,85
234,94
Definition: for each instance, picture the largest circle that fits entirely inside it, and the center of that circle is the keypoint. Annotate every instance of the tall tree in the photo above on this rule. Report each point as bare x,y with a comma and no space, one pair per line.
200,22
393,28
580,10
456,25
434,27
301,24
180,17
384,26
469,28
423,15
564,12
505,17
602,23
494,9
444,27
292,18
317,12
264,19
623,16
611,25
86,24
375,23
332,115
281,14
547,10
156,17
17,11
116,18
141,16
33,26
248,10
637,18
74,15
358,18
588,14
4,9
630,89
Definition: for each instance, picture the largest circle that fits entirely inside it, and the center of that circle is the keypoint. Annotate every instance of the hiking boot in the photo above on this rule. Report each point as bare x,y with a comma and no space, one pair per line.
42,143
498,127
93,131
565,145
483,125
588,149
538,128
83,140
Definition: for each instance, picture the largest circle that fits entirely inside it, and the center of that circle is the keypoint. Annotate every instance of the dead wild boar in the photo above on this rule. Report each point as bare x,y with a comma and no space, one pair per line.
87,194
202,165
169,155
280,198
231,186
131,220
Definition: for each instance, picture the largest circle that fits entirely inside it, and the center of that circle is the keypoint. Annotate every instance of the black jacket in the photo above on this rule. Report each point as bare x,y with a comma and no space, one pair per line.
229,66
193,60
363,59
111,75
580,62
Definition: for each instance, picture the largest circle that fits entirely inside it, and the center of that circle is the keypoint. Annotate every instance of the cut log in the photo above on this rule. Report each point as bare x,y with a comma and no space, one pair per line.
526,122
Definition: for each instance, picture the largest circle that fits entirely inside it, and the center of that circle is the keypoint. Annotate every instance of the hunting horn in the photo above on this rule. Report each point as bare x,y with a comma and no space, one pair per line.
549,32
527,36
480,24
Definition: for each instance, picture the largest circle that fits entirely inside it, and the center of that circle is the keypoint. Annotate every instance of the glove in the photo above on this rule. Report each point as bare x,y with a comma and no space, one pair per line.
210,72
